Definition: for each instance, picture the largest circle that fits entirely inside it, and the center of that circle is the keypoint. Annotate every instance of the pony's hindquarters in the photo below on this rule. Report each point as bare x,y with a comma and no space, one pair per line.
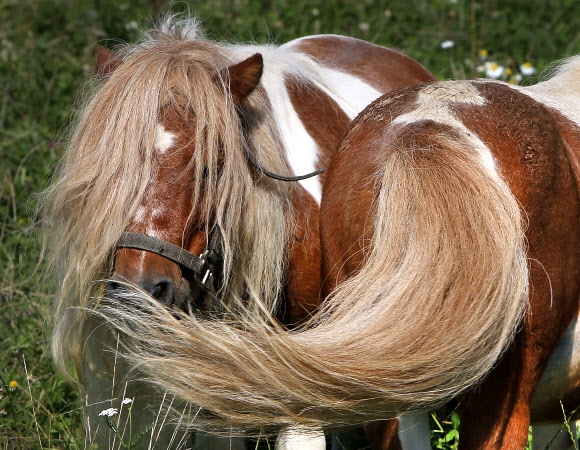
427,253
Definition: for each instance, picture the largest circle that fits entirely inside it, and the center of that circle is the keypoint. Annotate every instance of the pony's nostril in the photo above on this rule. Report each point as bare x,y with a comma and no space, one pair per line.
112,288
161,289
163,292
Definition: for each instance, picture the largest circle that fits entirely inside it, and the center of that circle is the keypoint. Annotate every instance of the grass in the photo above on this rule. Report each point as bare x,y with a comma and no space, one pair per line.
46,50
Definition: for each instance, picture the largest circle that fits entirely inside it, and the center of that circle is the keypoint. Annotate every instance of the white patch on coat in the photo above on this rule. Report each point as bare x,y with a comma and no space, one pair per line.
163,139
301,150
561,92
434,103
351,93
146,216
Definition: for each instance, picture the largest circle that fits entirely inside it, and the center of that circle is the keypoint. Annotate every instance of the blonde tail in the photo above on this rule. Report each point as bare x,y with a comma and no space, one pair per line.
435,304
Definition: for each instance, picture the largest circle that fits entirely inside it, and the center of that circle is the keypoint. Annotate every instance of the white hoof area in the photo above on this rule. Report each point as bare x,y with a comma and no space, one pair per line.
299,438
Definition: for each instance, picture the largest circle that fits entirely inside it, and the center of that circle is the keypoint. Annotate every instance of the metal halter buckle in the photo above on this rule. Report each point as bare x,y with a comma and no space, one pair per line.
204,278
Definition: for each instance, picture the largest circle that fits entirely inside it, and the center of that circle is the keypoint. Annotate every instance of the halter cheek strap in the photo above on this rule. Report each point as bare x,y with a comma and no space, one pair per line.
202,266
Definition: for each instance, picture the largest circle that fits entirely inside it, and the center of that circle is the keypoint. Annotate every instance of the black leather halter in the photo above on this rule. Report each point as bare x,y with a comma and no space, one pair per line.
202,266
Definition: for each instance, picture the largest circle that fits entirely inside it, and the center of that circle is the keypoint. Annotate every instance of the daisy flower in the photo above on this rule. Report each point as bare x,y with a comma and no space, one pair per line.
109,412
527,69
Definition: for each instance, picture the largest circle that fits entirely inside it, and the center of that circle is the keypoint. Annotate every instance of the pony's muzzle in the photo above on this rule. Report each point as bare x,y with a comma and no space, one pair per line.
161,289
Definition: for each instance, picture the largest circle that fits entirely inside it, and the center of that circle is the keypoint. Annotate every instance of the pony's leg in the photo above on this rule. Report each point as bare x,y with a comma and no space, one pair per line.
414,432
209,442
383,435
408,432
543,434
300,438
496,415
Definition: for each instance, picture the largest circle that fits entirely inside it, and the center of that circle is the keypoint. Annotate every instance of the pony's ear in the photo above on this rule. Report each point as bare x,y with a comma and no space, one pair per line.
106,63
245,76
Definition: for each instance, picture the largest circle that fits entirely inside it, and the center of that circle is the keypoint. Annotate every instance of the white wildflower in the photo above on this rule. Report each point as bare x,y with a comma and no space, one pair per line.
515,79
364,27
109,412
126,401
493,70
447,44
527,69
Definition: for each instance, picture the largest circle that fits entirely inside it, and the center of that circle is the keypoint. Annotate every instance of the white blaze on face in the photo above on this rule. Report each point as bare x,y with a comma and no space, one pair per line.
163,139
434,103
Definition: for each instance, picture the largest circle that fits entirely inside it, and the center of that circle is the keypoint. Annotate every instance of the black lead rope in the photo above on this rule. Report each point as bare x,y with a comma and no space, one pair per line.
275,176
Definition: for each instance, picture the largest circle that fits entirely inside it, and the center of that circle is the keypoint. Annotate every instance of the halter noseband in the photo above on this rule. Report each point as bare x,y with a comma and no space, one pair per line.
202,266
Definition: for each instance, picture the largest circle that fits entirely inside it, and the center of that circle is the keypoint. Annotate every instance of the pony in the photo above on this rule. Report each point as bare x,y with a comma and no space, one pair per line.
194,173
450,260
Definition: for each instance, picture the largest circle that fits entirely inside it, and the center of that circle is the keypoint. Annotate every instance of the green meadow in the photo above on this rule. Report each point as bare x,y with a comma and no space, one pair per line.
47,49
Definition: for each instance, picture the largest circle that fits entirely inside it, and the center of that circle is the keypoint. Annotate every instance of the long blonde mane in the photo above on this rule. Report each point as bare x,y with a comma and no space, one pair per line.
111,159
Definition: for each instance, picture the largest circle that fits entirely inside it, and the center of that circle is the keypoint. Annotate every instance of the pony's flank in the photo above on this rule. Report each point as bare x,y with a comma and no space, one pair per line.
437,272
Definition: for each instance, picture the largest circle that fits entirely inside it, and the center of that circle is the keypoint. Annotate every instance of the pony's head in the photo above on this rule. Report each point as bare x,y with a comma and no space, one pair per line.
160,151
172,245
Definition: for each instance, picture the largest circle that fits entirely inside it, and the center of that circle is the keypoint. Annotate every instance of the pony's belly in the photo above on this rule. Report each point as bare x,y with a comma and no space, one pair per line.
561,379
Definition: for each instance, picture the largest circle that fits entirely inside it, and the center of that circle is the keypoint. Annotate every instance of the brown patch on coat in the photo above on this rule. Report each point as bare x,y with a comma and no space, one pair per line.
569,390
302,293
360,58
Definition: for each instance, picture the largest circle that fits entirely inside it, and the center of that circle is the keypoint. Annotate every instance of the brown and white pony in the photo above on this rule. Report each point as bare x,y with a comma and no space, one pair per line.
450,212
167,186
